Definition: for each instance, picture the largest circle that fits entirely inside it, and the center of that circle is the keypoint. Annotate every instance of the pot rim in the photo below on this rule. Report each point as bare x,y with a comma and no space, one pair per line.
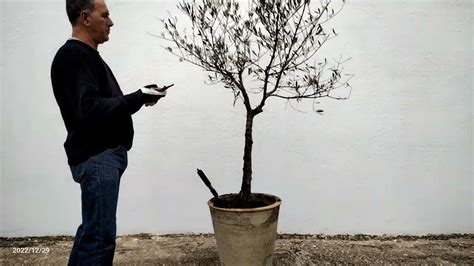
276,204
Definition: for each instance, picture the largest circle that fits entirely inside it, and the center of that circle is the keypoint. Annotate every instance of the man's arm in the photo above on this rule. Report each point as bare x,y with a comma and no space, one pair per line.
86,102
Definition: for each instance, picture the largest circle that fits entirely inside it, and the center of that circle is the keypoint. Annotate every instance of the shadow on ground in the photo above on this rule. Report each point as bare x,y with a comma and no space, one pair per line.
200,249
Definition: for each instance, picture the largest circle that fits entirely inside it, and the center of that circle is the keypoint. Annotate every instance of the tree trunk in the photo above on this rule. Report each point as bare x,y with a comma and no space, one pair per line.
247,169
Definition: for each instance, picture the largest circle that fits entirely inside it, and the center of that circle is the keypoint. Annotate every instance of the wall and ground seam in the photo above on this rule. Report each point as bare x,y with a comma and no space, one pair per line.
396,158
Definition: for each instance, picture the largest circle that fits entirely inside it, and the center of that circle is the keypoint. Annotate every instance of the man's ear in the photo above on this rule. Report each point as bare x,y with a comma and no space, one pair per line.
84,18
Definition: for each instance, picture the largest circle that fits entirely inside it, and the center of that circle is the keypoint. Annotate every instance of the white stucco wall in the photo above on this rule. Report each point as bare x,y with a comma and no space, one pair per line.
396,158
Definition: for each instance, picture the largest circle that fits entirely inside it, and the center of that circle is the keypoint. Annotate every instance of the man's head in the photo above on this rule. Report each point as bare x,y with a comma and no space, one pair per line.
90,17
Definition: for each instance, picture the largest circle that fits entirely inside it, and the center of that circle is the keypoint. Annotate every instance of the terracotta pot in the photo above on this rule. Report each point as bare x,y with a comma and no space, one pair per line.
246,236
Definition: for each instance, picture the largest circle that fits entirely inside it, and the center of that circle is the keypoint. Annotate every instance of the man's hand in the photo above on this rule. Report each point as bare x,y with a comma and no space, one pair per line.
157,92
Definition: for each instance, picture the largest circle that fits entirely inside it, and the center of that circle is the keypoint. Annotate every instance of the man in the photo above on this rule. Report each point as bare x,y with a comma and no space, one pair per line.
98,120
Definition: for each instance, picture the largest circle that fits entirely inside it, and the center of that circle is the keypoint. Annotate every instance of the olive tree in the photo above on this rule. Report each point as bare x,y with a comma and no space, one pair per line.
260,50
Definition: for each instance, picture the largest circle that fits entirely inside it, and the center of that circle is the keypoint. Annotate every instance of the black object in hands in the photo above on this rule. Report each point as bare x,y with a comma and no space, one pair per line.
155,87
207,182
151,86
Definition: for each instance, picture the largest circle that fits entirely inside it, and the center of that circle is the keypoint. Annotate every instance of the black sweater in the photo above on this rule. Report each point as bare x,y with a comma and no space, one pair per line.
96,113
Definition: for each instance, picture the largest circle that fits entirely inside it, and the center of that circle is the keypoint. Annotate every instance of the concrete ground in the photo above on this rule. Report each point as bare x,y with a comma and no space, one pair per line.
145,249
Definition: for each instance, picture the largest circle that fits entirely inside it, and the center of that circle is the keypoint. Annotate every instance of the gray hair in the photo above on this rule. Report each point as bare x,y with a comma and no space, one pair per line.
75,7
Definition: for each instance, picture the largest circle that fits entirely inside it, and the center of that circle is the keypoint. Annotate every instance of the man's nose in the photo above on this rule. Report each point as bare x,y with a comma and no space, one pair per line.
110,23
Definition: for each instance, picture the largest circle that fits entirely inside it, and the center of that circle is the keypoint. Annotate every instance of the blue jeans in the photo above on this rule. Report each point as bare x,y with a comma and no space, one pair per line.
99,178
